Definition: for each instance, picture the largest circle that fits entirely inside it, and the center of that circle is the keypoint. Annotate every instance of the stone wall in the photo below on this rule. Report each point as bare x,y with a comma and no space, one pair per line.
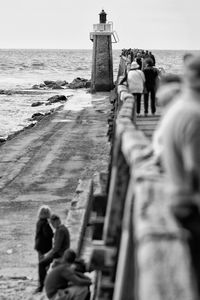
102,64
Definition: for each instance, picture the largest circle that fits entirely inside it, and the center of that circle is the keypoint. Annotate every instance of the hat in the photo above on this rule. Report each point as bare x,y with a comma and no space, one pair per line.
134,65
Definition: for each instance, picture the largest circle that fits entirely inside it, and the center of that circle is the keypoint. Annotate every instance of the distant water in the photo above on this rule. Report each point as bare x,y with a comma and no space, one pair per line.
20,69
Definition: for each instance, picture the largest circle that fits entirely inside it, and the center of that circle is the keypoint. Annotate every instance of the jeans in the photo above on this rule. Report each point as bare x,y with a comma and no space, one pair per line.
152,93
137,97
43,268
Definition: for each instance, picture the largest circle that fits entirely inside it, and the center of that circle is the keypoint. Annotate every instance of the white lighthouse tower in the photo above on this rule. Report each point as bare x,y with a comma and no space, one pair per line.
102,61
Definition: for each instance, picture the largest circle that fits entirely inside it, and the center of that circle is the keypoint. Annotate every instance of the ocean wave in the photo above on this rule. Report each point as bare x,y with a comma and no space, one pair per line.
23,66
81,68
38,64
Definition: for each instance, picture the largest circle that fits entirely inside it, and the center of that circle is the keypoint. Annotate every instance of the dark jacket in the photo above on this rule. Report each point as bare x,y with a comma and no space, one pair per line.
43,236
151,77
139,62
61,241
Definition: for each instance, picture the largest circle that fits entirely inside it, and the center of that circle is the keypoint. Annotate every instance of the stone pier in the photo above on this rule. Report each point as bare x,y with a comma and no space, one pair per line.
44,165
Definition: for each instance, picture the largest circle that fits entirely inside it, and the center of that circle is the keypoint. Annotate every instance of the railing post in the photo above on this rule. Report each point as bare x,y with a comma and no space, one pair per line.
117,193
124,281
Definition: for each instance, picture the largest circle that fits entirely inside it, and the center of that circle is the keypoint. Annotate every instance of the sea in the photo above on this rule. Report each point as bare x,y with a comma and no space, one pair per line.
20,69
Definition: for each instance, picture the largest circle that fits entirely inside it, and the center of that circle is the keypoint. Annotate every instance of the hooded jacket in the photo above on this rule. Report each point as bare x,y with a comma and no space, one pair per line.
136,81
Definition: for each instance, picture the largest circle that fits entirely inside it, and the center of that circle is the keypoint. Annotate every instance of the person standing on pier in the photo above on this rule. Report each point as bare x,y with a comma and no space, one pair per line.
135,81
153,58
61,243
139,60
44,232
151,76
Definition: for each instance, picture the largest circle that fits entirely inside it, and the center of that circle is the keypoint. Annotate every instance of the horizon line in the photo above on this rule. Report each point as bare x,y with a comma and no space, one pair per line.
118,49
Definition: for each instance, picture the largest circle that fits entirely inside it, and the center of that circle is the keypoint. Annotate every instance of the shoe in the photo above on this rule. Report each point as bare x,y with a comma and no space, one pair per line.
38,290
138,115
146,114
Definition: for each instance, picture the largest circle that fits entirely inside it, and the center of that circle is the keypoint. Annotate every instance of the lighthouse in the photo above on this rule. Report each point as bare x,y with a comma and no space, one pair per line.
102,37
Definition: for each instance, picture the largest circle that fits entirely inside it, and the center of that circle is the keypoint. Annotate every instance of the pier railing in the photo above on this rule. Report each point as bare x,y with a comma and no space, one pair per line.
139,251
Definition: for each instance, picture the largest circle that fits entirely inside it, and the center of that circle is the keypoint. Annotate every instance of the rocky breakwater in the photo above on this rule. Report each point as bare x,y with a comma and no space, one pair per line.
39,104
77,83
54,99
39,115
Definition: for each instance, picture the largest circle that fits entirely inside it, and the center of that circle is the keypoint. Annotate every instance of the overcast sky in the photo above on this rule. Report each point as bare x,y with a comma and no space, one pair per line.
147,24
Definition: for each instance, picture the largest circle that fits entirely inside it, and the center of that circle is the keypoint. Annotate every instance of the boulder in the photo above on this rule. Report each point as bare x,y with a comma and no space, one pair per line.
88,84
2,140
36,87
37,103
37,116
55,86
57,98
61,82
78,83
49,82
42,85
6,92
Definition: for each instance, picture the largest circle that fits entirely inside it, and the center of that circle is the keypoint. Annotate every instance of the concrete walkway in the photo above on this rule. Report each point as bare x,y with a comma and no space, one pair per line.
149,123
43,165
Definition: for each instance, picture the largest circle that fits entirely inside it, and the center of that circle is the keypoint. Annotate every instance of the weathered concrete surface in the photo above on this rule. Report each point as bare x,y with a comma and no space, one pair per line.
102,63
78,215
43,165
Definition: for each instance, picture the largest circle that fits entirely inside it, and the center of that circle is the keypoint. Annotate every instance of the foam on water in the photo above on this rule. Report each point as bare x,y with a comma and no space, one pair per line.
79,102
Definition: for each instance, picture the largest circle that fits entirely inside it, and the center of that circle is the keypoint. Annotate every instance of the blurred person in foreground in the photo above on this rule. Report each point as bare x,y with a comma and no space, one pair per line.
181,157
66,281
181,138
170,86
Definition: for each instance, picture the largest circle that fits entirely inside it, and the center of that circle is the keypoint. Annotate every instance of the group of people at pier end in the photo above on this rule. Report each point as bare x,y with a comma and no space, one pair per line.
61,273
141,77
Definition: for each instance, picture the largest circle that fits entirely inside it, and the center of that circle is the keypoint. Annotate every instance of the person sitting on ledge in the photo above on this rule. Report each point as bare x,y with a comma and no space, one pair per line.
64,282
